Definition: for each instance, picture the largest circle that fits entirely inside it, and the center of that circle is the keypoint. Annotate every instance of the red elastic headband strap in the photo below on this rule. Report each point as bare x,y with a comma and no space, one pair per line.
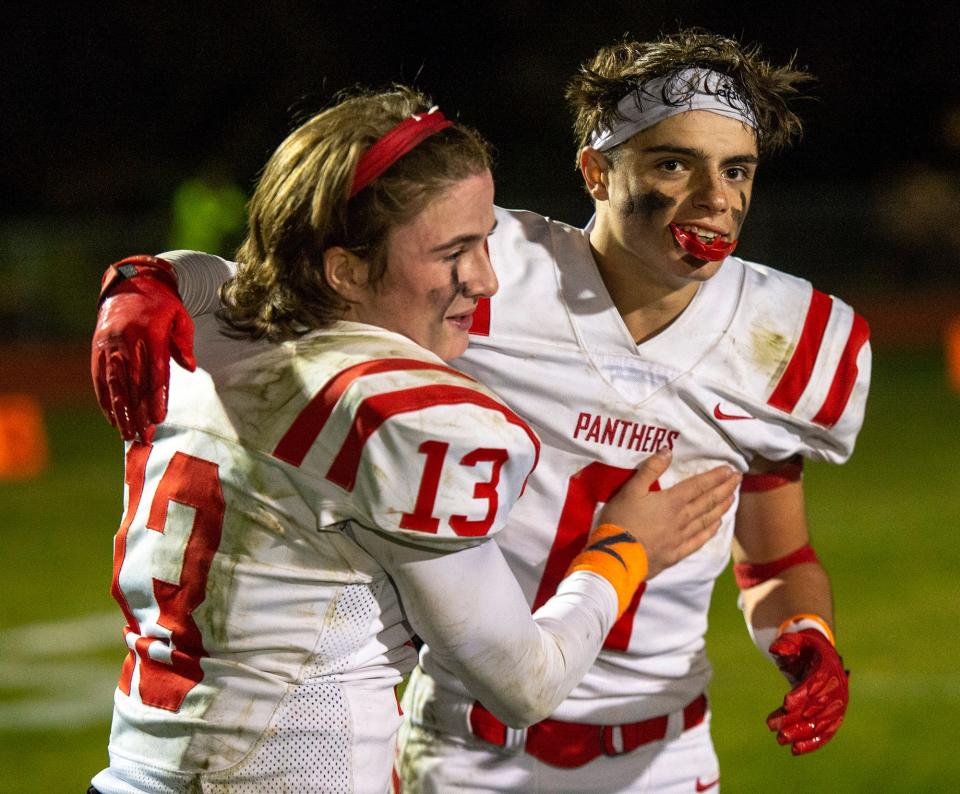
405,136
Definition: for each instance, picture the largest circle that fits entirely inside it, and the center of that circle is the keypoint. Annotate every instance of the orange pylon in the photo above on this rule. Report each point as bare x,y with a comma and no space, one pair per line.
951,344
24,451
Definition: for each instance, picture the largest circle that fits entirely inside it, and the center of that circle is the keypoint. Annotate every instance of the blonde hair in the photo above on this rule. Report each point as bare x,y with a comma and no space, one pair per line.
301,208
593,93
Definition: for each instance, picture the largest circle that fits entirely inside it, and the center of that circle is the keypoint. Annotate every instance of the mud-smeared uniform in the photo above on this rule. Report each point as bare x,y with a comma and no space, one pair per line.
304,508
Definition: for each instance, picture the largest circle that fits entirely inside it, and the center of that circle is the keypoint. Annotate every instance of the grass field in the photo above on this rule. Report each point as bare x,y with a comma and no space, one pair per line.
887,525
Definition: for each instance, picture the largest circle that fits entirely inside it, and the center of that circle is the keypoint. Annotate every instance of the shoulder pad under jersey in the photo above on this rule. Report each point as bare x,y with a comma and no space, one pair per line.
420,451
798,357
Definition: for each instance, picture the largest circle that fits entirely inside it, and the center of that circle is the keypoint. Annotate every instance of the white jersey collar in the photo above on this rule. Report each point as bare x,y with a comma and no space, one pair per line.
679,346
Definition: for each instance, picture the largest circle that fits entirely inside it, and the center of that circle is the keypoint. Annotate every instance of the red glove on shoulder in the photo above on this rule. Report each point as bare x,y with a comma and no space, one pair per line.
141,324
813,710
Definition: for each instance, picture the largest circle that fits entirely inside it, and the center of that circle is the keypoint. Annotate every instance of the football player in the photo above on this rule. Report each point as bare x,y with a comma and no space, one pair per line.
659,333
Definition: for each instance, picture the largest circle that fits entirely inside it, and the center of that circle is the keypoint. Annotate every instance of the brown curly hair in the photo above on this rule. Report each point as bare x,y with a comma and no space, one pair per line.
301,207
594,92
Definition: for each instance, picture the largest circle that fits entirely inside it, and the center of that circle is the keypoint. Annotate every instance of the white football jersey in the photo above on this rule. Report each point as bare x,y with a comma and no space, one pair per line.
759,363
260,633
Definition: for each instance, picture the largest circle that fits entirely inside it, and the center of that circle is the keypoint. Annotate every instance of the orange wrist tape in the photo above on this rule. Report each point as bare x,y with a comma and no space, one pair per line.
806,620
618,557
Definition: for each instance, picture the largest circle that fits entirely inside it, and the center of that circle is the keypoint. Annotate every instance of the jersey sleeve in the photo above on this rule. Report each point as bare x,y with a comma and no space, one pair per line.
471,612
200,277
798,363
422,453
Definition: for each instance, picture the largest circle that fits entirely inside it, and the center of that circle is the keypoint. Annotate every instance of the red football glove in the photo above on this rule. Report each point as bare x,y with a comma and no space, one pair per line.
141,324
813,710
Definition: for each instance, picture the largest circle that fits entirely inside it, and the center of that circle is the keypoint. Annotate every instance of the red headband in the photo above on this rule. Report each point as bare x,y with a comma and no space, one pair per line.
406,135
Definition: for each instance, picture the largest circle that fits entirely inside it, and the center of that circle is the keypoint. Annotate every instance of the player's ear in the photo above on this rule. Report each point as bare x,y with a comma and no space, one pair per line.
594,167
346,273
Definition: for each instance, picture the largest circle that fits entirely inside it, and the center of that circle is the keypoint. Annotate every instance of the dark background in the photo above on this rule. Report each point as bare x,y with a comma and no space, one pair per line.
107,109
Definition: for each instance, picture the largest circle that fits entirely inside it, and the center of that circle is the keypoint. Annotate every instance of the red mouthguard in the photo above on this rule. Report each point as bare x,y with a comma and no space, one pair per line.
713,251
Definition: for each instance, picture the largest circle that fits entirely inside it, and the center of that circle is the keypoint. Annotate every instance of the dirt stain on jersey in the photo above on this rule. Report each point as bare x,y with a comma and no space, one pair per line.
230,744
381,474
221,591
416,748
771,350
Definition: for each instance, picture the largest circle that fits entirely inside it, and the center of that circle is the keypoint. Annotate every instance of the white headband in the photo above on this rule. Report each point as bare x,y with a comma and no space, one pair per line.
662,97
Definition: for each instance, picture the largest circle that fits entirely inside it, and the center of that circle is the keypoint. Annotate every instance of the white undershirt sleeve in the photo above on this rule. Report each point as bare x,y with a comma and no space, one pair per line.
199,279
470,610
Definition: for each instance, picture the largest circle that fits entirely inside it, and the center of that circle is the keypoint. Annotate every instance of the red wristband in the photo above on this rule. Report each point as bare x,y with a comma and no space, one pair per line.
140,265
750,574
790,471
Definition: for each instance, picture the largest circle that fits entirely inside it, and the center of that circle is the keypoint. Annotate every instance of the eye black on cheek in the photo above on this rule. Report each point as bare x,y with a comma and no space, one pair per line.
647,204
740,212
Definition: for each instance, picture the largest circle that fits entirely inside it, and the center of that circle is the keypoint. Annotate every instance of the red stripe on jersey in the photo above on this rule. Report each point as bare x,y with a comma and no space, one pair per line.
394,780
483,723
481,315
797,374
481,318
135,475
846,375
378,408
296,442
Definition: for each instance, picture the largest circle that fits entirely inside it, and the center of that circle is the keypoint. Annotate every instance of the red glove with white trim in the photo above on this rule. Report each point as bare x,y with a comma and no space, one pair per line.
813,710
141,324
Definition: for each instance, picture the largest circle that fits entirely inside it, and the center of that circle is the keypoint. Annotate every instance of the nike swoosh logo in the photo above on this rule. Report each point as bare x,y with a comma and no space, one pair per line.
705,786
721,415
